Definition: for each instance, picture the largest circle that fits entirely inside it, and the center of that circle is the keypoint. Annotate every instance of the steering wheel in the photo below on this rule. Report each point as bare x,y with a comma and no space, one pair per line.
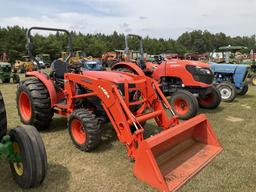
75,68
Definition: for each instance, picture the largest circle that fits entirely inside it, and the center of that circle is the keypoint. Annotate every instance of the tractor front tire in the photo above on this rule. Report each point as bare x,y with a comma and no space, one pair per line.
34,104
211,100
184,104
3,118
28,144
84,129
253,79
244,90
227,90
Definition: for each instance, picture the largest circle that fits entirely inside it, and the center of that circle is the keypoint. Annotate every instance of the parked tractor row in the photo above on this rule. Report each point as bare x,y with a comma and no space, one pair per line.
230,73
127,95
189,83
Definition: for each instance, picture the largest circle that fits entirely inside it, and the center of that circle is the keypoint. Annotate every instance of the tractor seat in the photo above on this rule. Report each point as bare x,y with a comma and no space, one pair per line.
59,68
148,73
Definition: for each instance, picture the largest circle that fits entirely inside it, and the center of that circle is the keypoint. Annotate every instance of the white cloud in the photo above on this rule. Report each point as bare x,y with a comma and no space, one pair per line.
162,18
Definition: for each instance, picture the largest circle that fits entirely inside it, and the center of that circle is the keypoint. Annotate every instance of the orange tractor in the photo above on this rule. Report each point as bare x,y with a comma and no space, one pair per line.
90,98
189,83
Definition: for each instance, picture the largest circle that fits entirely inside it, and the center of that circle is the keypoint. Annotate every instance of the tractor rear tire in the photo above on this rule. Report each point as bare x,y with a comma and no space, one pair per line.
184,104
31,171
211,100
227,91
244,90
34,104
6,80
253,79
3,118
84,129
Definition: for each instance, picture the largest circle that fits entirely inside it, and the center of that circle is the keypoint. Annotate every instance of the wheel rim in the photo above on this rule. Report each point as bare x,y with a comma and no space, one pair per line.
181,106
254,81
225,93
77,131
25,106
18,166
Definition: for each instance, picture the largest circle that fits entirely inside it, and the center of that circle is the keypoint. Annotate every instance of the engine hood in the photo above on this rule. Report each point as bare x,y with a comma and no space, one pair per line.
115,77
228,68
187,62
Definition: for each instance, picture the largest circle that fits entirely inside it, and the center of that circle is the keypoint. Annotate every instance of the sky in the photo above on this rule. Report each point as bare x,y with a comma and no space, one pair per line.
155,18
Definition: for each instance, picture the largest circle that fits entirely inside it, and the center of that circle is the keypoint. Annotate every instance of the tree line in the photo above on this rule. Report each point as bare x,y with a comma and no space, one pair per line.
13,41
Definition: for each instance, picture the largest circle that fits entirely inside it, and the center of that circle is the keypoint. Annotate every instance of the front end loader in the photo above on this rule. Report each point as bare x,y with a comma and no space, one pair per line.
89,99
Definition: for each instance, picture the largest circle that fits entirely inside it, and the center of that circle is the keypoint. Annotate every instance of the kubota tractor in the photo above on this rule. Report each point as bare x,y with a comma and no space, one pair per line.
24,149
90,98
182,79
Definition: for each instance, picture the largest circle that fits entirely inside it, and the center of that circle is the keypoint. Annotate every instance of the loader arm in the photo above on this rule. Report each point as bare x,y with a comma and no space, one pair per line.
142,62
116,106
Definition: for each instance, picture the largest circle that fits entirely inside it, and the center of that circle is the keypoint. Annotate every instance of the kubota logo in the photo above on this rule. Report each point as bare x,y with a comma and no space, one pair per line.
104,91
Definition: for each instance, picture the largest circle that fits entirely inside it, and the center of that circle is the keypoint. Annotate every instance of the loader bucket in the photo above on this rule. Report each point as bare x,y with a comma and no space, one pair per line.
167,160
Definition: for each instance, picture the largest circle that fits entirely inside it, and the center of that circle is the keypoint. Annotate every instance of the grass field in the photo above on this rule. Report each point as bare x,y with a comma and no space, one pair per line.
108,168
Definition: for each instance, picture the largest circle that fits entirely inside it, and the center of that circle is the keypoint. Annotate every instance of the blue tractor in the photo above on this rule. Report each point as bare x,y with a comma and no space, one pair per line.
230,79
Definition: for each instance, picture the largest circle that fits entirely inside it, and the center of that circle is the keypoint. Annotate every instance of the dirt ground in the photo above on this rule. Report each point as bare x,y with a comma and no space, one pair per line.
108,168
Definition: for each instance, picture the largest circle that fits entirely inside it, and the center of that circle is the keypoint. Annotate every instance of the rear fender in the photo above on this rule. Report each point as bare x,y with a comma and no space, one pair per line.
137,70
45,79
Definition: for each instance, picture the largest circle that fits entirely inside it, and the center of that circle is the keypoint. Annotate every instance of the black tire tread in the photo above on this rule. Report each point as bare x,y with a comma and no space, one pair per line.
91,125
3,118
215,103
40,100
33,154
195,107
244,90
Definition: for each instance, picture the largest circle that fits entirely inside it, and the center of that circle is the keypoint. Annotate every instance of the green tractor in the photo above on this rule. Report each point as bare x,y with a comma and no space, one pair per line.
24,149
6,73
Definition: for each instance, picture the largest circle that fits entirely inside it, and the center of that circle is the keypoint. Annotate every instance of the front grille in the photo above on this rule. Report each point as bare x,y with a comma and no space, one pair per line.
208,79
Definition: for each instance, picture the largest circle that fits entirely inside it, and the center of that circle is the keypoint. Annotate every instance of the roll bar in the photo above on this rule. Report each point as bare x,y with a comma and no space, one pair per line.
142,63
29,45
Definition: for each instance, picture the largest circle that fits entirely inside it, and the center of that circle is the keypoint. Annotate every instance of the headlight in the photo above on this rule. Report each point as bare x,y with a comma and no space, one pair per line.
198,70
204,71
204,75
